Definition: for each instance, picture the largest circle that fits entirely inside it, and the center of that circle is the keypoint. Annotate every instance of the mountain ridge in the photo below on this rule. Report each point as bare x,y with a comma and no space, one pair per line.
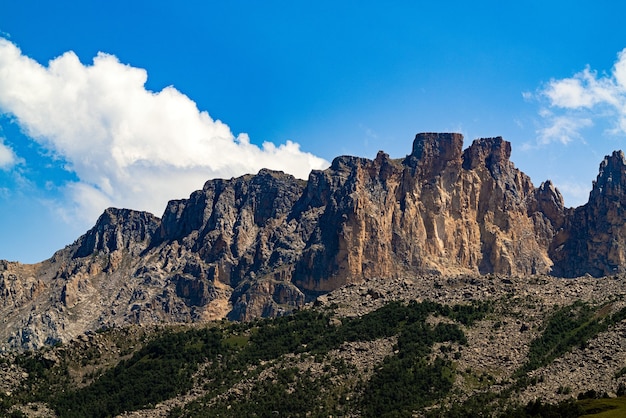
265,244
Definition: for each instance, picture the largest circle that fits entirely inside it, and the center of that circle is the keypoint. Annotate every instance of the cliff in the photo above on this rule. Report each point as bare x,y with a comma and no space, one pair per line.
263,245
593,238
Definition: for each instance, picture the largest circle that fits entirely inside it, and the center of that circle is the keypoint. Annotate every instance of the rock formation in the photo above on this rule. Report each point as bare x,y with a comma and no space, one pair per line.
593,240
263,245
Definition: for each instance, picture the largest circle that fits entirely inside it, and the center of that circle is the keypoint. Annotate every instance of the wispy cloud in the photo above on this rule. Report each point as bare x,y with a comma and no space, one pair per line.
574,103
128,146
577,193
7,156
562,129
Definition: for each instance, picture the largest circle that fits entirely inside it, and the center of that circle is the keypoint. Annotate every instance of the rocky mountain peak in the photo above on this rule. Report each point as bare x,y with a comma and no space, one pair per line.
492,153
119,229
550,203
265,244
611,180
593,235
444,146
433,151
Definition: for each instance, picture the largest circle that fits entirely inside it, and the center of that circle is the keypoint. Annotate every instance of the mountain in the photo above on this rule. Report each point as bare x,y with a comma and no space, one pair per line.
266,244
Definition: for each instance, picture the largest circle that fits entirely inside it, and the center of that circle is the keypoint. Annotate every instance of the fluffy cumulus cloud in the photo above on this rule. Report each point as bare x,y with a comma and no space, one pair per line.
576,101
128,146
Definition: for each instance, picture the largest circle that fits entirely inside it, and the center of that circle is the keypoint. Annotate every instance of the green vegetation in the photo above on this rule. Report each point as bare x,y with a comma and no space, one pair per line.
160,370
537,409
488,404
284,367
604,407
407,381
290,391
568,327
404,381
482,406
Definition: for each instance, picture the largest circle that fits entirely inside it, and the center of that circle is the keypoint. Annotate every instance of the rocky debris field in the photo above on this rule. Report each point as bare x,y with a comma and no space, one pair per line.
497,345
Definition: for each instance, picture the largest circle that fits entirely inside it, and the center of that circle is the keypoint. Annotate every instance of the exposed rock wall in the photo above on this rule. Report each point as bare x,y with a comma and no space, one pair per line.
593,240
262,245
119,229
441,209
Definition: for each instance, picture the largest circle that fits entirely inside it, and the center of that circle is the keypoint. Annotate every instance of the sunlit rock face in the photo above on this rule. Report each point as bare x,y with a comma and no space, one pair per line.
265,244
438,210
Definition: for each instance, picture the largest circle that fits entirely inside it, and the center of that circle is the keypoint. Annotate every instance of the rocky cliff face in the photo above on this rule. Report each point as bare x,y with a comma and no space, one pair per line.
122,230
593,240
440,209
262,245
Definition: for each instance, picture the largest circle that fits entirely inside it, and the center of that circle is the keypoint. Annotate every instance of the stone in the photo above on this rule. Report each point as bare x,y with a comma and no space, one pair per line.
593,238
266,244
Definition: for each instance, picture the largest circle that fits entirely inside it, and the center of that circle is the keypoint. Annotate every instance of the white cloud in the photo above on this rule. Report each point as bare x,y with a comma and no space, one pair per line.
562,129
583,98
7,156
128,146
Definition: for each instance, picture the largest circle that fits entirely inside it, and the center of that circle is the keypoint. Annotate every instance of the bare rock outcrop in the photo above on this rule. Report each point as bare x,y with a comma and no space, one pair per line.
593,240
265,244
119,229
440,209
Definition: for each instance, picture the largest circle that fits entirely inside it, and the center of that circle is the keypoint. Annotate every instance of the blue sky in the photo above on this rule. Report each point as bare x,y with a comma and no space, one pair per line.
131,104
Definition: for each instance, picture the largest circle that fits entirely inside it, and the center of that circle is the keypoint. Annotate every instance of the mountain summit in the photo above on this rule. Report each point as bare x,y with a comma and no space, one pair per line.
265,244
